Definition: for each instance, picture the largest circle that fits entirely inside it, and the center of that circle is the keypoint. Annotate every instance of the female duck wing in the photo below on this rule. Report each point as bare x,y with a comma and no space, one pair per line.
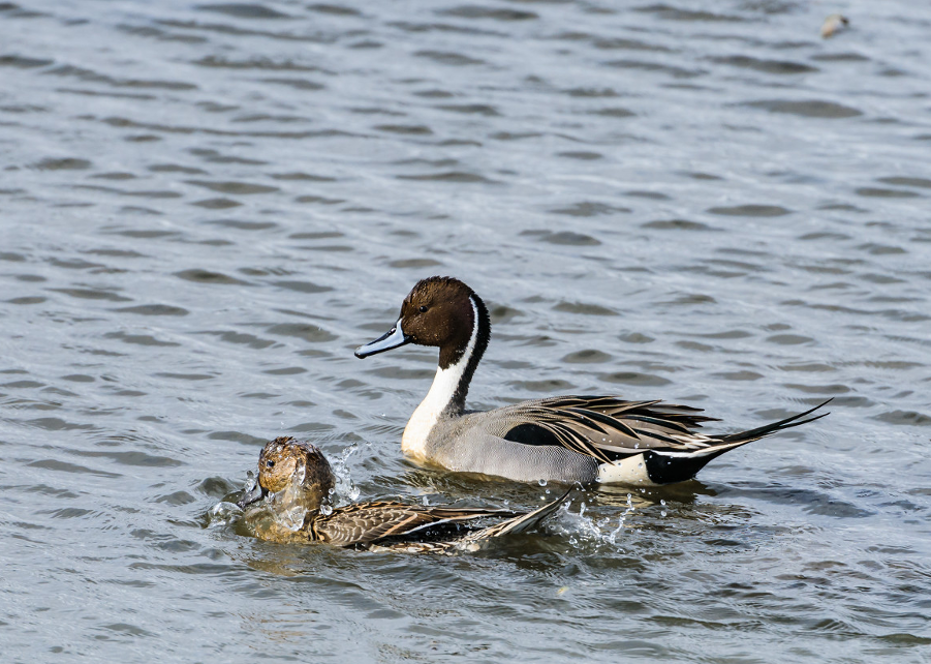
365,523
520,523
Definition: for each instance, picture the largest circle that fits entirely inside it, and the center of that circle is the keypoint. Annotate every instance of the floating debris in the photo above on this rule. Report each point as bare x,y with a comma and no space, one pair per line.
833,24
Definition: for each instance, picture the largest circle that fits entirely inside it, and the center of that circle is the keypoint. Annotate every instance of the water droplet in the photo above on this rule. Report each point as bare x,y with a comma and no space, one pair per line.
541,482
326,509
663,513
662,502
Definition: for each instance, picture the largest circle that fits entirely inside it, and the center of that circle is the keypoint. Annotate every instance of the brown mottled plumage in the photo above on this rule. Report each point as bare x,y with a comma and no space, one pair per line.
295,474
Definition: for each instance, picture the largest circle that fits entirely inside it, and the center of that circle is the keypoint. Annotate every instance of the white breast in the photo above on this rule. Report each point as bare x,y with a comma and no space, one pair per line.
445,384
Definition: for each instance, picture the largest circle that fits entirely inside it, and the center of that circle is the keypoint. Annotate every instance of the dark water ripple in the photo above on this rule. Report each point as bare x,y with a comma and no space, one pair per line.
207,206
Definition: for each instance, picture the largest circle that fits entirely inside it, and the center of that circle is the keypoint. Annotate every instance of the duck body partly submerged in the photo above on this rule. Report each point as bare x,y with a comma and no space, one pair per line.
567,439
297,479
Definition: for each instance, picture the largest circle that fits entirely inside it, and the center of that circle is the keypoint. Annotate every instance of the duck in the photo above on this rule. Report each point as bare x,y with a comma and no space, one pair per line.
584,439
295,478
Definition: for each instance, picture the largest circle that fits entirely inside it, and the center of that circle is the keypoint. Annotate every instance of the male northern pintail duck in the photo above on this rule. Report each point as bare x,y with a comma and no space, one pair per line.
296,475
567,439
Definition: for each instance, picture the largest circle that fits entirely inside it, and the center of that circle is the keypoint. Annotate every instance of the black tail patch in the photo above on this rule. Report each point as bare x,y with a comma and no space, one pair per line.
665,469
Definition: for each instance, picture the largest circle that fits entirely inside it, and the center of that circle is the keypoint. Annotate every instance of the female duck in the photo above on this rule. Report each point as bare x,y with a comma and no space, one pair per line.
297,479
571,438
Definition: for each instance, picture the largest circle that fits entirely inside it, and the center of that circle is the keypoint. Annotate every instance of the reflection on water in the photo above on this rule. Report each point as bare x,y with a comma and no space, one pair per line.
206,207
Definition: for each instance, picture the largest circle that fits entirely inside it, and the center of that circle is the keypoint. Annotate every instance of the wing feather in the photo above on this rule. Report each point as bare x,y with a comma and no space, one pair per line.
609,428
365,523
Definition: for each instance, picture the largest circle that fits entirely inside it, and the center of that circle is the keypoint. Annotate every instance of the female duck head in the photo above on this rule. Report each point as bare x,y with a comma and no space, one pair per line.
286,464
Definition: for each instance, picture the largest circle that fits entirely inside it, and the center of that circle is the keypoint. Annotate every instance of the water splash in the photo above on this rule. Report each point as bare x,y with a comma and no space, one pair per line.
223,513
291,518
586,527
346,491
577,526
621,522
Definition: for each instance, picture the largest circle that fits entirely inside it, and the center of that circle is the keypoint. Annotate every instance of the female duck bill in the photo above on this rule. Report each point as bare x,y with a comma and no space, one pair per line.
393,338
254,494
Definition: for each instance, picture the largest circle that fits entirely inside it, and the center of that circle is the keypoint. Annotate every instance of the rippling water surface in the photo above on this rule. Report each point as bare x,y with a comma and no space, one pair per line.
206,207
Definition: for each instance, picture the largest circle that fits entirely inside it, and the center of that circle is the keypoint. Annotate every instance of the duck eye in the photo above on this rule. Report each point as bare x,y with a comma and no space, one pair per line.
423,308
269,464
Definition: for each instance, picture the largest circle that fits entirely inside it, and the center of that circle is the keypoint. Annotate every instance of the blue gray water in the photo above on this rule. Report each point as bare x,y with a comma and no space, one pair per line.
205,207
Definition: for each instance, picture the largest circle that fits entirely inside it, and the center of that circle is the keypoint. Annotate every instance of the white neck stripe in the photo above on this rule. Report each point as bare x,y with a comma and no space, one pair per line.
445,384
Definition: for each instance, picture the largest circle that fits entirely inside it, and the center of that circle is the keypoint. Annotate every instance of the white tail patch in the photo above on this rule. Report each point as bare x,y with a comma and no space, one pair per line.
631,470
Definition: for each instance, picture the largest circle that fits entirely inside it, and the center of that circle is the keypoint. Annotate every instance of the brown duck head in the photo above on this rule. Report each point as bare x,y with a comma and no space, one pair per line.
297,468
439,311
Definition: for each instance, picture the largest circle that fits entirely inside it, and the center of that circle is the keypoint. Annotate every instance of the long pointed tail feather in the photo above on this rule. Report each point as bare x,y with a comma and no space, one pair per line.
667,466
521,523
734,440
788,423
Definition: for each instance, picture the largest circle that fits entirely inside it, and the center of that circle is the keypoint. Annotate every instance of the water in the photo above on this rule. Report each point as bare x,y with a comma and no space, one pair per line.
206,207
